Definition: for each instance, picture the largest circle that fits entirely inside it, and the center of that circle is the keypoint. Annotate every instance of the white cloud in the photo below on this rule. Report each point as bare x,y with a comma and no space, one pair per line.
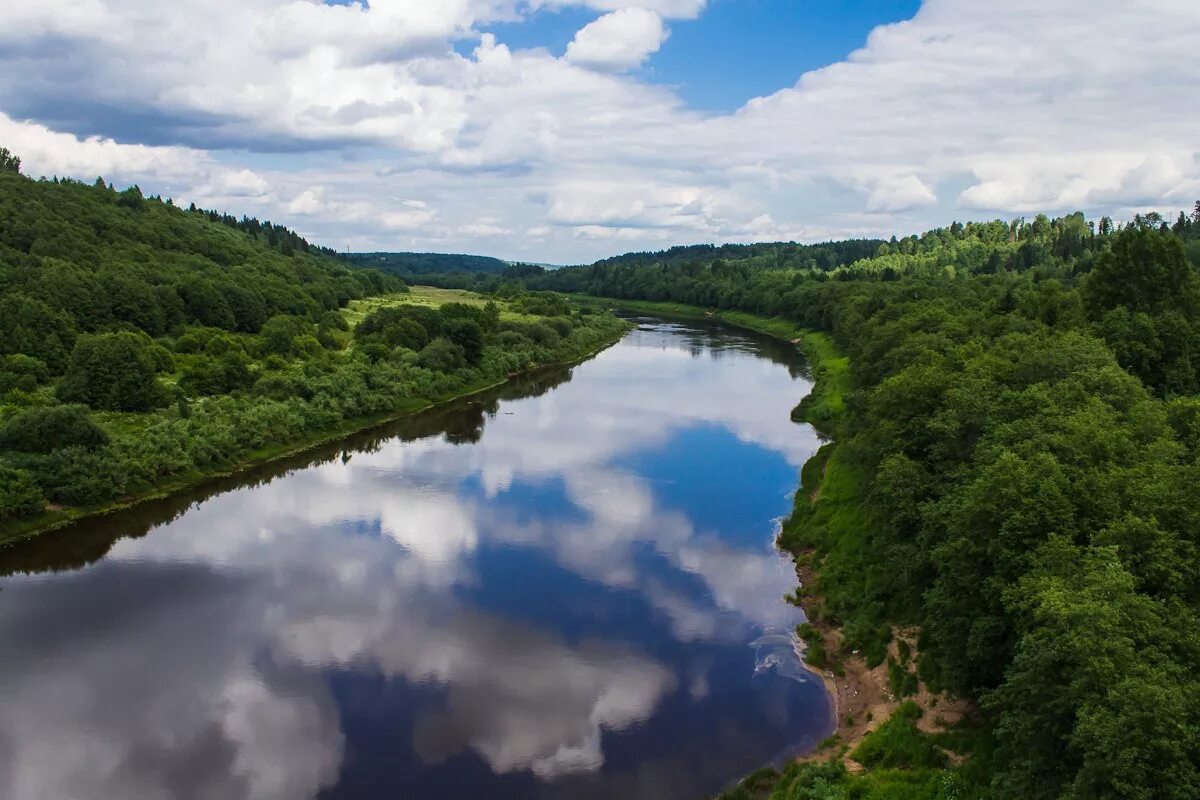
671,9
619,40
900,193
310,201
412,215
996,109
47,152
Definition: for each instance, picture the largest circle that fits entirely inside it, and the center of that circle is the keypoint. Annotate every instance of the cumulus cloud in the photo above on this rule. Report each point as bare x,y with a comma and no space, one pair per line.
995,109
672,9
620,40
900,193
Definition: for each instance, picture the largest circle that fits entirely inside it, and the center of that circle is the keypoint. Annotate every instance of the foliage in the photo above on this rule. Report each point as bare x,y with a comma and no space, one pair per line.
898,744
114,372
423,264
19,494
203,341
42,429
1017,428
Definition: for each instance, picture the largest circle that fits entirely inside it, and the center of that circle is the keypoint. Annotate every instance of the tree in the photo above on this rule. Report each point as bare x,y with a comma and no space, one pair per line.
19,495
1145,270
283,335
114,372
467,334
35,329
442,355
9,161
22,372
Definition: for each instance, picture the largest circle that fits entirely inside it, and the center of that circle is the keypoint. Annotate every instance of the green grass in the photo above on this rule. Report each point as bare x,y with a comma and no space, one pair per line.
430,296
825,407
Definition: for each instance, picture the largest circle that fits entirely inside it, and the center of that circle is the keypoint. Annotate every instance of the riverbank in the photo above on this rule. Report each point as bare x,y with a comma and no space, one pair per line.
56,517
827,509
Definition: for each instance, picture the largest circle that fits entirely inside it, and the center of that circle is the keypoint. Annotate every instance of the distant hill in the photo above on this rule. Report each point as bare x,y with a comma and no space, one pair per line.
406,264
779,255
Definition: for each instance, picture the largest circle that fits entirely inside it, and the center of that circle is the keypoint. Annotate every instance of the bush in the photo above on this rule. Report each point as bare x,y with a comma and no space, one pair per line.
210,376
467,334
542,334
561,325
442,355
898,744
114,372
44,429
22,372
284,335
903,683
77,476
19,495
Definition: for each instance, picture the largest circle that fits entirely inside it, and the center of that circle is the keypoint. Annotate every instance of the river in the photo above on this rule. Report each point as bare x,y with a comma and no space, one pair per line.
566,588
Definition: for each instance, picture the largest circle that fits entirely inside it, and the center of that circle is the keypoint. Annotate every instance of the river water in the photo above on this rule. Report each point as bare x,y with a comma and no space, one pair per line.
564,589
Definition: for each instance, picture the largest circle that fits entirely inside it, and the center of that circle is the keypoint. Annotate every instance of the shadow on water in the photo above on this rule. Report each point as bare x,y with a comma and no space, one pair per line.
84,542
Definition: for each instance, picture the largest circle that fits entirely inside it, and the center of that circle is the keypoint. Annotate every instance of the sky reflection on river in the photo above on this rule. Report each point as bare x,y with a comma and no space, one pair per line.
560,604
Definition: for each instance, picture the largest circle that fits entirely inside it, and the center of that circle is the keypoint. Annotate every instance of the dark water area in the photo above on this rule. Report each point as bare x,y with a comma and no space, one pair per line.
566,588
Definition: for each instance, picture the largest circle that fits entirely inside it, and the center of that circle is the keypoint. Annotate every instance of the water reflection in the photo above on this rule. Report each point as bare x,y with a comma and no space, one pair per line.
563,589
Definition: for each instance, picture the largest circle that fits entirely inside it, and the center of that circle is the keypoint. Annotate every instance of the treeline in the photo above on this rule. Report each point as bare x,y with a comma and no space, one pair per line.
1015,473
778,255
142,345
411,264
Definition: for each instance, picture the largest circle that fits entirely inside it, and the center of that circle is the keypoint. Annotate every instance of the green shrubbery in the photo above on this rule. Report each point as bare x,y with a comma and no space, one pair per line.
231,344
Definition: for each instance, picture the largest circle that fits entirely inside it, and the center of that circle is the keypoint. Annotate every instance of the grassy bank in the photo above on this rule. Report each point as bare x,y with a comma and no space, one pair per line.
571,350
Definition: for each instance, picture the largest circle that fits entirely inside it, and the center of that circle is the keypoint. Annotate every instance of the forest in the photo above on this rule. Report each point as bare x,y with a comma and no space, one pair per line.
407,265
1013,471
144,345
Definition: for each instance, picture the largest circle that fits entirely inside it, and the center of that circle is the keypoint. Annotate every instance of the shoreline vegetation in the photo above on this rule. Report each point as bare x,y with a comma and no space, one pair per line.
146,347
55,519
871,702
1009,511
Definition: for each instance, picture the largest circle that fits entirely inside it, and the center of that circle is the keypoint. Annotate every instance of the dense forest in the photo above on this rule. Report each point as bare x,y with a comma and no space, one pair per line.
407,265
143,345
1014,472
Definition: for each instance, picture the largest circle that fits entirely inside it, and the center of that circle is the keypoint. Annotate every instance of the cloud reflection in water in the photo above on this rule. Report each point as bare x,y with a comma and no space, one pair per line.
195,662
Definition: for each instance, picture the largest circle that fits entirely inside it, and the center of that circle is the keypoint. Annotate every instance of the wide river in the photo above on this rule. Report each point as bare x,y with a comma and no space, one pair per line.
564,589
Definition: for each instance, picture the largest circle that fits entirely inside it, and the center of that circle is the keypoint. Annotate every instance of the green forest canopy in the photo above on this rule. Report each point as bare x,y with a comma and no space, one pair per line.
409,264
142,343
1016,473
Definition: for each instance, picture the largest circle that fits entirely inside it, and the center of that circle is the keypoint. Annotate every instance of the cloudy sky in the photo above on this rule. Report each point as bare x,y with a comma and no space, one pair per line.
567,130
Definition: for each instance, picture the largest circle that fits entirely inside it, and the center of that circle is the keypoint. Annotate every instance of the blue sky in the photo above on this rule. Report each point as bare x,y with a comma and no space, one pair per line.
563,131
736,49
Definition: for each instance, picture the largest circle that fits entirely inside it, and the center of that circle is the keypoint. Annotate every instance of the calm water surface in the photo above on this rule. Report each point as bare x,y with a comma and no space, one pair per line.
566,589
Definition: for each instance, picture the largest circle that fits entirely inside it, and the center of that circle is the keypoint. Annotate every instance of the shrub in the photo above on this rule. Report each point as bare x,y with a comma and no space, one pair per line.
467,334
113,371
541,334
442,355
19,495
22,372
898,744
44,429
210,376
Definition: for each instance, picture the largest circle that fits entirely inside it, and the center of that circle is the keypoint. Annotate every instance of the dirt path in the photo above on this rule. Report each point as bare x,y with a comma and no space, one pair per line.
862,697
